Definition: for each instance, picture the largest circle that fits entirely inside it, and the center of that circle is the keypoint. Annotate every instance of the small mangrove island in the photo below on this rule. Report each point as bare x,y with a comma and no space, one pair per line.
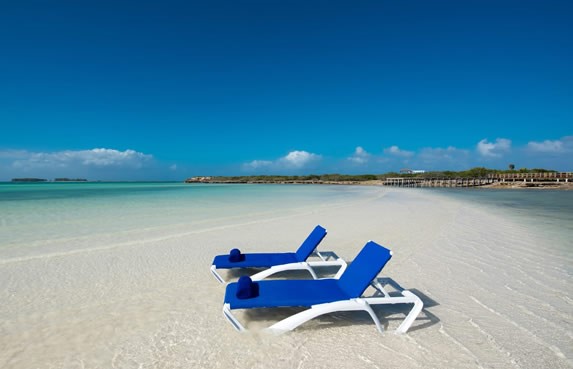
28,180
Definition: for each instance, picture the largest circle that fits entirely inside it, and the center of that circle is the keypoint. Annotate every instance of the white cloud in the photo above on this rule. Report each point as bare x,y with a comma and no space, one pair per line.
493,149
396,151
562,145
360,156
91,158
296,159
100,163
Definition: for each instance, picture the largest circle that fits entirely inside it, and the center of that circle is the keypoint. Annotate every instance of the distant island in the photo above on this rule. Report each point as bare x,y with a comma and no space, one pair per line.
484,177
45,180
29,180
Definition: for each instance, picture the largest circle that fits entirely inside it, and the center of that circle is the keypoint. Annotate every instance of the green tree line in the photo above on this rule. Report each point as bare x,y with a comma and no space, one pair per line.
478,172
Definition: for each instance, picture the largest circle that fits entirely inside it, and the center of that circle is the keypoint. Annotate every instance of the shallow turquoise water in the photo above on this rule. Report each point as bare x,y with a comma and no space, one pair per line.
549,206
548,213
40,212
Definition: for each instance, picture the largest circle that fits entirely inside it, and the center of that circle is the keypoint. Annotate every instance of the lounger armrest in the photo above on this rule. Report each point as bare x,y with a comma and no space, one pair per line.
305,265
281,268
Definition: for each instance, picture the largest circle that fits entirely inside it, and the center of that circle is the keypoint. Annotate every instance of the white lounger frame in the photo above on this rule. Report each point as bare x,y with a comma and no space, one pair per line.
326,259
381,297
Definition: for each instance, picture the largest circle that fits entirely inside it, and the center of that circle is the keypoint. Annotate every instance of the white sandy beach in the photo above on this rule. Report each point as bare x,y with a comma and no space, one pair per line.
497,293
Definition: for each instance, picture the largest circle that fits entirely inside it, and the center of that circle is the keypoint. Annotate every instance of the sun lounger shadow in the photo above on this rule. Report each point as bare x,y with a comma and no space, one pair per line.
262,265
304,300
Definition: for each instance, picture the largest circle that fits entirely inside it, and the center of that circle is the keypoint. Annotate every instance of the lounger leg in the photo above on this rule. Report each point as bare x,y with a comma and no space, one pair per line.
231,318
216,275
373,316
311,271
406,298
343,266
418,305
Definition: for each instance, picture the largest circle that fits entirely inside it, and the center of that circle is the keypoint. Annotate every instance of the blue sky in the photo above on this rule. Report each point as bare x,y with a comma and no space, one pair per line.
172,89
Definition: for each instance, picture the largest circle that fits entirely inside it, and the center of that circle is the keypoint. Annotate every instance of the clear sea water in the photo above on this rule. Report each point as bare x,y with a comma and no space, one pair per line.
36,214
551,207
548,213
40,213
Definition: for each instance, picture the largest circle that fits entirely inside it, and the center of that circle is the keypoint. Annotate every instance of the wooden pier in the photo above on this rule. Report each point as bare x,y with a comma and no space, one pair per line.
523,179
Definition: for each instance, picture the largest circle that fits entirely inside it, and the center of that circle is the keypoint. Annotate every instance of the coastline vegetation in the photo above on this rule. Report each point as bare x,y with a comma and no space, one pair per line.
478,172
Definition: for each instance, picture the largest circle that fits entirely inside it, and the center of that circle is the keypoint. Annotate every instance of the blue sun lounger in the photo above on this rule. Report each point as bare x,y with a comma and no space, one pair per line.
322,296
278,262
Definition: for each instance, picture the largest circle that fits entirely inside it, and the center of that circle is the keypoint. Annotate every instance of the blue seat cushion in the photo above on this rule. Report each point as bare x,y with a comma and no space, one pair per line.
246,288
285,293
261,260
236,256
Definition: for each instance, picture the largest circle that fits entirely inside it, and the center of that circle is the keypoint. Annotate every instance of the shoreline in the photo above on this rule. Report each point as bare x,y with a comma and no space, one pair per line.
567,186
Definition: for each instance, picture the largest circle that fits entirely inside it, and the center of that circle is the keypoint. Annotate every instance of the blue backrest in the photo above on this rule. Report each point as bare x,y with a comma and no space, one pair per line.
364,268
310,243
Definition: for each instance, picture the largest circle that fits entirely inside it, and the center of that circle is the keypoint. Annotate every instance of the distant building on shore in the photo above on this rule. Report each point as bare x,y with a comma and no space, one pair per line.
411,171
198,179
